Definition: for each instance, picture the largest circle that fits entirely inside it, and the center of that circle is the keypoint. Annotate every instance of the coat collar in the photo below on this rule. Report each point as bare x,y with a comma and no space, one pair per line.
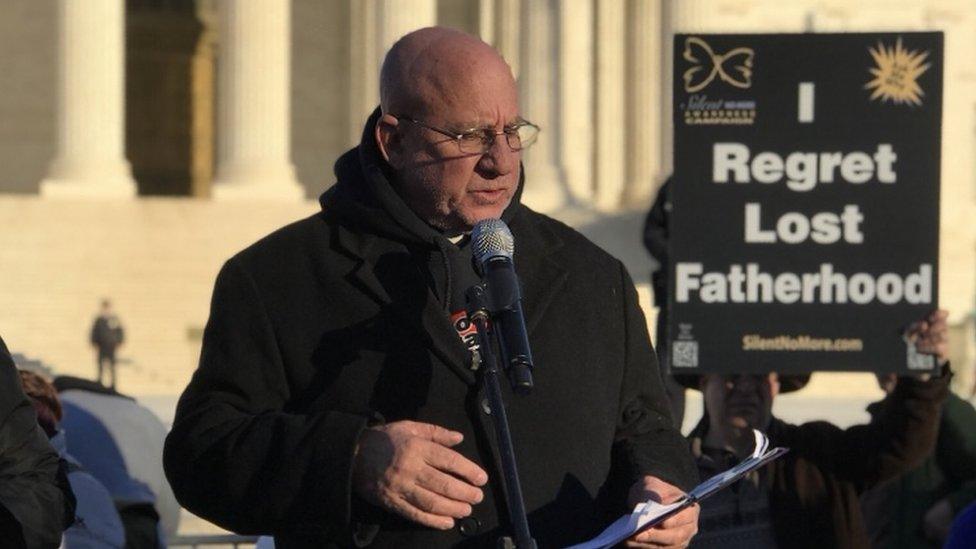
384,271
536,261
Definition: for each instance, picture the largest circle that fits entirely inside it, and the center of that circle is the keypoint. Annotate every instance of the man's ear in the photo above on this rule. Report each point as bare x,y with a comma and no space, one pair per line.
388,138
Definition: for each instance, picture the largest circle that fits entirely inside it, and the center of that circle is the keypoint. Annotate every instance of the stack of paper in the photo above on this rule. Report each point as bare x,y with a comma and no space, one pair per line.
650,513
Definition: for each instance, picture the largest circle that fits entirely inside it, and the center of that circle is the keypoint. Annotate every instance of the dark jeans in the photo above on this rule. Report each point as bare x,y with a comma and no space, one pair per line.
141,526
106,362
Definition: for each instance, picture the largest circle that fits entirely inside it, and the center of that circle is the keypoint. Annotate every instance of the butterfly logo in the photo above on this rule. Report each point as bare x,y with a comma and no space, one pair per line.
733,67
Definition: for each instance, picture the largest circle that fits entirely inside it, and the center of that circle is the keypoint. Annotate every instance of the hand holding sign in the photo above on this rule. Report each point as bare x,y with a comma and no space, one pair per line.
805,202
931,335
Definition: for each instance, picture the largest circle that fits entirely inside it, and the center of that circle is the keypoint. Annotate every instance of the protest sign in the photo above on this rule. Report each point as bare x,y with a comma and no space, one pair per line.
805,221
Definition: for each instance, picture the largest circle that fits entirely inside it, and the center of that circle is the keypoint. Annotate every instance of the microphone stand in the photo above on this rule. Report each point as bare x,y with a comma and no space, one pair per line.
478,313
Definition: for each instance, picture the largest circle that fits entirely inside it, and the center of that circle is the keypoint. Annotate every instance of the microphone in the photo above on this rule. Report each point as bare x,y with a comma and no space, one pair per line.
492,247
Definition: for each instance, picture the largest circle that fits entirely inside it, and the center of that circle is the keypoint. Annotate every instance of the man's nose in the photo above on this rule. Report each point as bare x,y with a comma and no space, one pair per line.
500,159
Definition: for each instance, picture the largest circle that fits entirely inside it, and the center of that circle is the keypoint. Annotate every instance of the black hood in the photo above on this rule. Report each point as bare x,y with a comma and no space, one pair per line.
365,195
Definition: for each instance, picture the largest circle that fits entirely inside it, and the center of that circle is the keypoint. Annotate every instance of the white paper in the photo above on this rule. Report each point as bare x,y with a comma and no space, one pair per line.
651,512
625,526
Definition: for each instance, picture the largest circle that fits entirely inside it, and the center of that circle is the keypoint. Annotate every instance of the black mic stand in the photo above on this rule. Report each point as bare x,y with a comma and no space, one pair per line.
479,314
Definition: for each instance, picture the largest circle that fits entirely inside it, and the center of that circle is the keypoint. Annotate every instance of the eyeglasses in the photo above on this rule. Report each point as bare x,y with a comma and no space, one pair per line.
520,135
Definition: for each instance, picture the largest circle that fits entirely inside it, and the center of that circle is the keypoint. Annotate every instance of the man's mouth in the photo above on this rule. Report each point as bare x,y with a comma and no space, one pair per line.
489,195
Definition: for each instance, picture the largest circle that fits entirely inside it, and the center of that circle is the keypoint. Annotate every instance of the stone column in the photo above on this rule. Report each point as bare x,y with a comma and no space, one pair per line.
538,88
680,16
254,107
644,123
203,72
90,160
610,123
398,17
576,98
364,67
486,20
507,33
376,25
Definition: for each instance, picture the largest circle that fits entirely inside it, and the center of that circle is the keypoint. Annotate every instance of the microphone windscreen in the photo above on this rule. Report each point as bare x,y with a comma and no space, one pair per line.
491,238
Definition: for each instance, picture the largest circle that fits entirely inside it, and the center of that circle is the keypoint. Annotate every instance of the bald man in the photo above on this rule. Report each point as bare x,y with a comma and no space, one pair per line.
338,400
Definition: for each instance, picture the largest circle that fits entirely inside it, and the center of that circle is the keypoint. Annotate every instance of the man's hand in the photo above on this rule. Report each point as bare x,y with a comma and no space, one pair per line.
938,521
676,531
931,335
408,468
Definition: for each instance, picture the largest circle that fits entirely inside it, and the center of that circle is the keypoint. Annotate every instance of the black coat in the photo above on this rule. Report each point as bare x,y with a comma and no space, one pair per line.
656,238
332,323
36,502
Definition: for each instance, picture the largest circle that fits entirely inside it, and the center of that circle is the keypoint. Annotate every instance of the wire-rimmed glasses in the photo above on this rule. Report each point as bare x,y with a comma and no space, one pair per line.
518,136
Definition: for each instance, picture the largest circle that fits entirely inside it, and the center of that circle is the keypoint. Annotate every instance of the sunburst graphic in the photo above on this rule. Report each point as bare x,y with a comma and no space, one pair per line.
896,74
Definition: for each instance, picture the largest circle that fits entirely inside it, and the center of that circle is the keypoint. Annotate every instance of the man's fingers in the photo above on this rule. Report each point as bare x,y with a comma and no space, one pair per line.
415,474
630,544
436,433
935,322
929,345
686,516
408,510
676,531
935,332
449,486
449,461
434,504
931,336
666,537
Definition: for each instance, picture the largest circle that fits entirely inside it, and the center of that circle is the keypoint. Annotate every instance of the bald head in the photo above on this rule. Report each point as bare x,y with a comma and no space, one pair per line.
437,83
436,67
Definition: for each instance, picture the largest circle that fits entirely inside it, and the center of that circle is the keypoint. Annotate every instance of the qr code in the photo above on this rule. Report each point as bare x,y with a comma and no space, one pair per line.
684,354
918,361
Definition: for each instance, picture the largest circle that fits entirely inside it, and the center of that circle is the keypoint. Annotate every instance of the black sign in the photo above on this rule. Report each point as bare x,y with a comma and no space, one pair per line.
805,222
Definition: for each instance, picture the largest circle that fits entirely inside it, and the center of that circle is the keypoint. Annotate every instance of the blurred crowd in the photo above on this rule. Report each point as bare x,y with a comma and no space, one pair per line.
80,465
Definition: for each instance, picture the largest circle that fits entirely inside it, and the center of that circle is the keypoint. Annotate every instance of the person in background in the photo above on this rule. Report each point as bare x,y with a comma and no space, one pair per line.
107,336
917,509
36,501
121,443
810,496
656,241
97,524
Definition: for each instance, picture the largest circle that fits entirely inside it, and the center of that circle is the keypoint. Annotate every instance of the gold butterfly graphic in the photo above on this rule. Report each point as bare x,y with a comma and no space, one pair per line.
734,66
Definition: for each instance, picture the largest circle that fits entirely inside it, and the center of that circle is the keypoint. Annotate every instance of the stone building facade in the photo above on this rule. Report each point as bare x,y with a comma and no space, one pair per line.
144,141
